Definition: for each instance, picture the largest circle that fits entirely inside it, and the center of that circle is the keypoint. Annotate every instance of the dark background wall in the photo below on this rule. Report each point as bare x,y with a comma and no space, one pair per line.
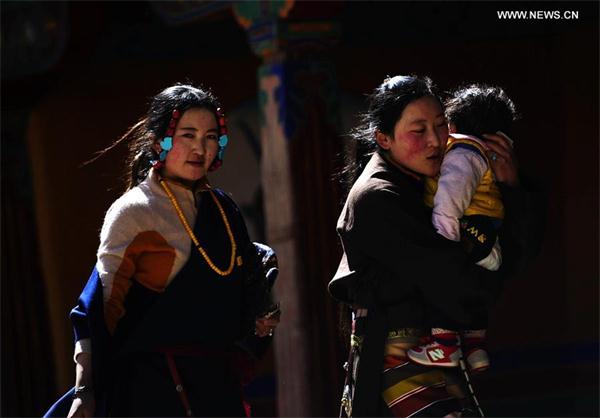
99,62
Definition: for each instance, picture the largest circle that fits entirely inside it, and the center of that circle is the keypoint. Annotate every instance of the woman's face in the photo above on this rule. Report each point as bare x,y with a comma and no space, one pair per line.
420,137
195,146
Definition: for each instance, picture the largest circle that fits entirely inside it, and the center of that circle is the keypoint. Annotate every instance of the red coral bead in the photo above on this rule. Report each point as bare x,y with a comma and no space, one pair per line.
176,114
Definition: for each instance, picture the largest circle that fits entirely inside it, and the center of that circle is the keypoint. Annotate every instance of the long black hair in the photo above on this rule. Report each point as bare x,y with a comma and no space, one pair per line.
386,104
153,126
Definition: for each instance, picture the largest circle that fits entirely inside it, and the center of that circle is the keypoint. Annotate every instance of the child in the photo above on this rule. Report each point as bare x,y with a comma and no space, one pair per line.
467,205
175,266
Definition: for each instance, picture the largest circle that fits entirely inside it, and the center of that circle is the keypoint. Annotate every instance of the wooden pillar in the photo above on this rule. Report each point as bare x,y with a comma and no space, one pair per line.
298,105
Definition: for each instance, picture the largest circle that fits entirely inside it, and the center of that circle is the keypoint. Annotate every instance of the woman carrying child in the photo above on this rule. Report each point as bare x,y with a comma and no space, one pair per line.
398,276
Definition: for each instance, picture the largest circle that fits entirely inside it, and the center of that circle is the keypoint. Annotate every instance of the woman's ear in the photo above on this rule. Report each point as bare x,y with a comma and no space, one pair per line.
383,140
452,128
156,147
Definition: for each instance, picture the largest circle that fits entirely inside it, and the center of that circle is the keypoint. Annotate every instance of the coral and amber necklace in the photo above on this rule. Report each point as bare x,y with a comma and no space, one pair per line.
212,265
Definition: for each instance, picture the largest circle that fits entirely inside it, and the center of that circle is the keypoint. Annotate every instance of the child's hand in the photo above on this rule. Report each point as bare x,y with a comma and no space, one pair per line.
502,158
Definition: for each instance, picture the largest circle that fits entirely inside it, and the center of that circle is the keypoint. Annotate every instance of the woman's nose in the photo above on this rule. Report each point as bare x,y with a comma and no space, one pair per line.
434,139
199,146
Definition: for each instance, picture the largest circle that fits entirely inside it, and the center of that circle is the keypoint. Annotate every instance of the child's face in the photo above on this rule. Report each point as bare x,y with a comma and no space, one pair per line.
420,136
195,146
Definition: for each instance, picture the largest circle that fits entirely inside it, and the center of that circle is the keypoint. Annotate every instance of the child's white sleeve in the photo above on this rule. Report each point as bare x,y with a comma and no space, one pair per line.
460,174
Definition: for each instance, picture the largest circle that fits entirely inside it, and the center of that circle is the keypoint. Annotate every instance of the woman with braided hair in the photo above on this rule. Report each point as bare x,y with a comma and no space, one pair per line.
177,283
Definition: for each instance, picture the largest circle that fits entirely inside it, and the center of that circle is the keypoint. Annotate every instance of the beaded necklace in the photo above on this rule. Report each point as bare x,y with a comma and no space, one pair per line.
212,265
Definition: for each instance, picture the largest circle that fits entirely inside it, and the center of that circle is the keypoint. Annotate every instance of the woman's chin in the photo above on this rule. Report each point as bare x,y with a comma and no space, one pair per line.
195,173
432,169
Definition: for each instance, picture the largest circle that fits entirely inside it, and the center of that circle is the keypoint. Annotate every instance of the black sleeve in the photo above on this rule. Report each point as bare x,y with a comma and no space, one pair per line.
521,236
418,259
256,293
257,298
